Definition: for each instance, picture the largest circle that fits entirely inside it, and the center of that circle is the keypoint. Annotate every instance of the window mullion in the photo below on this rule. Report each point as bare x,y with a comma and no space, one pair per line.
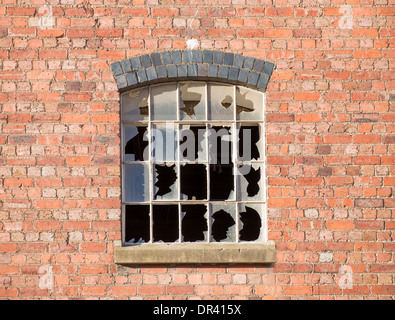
234,158
151,173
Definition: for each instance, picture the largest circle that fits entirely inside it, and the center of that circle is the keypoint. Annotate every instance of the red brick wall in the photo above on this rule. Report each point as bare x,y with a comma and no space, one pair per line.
330,145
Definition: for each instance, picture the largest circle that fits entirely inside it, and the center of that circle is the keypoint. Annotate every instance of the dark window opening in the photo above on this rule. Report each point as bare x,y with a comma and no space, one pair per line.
194,222
166,177
252,134
193,182
137,224
220,227
137,144
253,177
221,181
251,225
165,223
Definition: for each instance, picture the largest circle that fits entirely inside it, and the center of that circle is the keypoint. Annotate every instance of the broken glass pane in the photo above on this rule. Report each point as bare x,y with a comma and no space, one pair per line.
193,182
136,143
164,101
250,144
192,143
223,228
137,224
250,222
165,223
164,143
249,104
221,104
192,101
221,182
136,183
250,182
135,105
165,187
194,222
220,145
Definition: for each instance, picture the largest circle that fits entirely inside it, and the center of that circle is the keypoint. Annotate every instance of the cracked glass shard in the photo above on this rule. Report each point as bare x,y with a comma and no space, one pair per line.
249,143
136,182
249,104
242,103
227,102
192,102
164,102
165,186
221,182
221,104
137,224
223,228
194,222
165,223
135,105
192,143
137,143
251,224
193,181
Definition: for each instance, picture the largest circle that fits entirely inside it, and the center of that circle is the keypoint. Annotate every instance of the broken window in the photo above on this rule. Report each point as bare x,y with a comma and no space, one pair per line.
193,164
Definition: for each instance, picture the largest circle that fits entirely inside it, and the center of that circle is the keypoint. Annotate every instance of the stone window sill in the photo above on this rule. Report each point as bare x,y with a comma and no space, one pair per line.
196,253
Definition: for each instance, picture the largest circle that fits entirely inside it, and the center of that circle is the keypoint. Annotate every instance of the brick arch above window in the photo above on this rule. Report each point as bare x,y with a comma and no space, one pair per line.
179,65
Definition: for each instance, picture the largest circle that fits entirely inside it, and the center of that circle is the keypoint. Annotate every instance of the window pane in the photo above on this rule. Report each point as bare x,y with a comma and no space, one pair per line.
249,104
165,223
164,100
136,183
136,143
223,218
221,104
221,182
250,182
135,105
220,145
165,182
193,182
137,224
194,222
193,143
250,143
192,101
250,222
164,143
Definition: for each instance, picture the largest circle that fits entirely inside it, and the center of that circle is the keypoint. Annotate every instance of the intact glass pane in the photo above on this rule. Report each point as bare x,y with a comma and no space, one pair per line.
249,104
164,143
135,105
223,219
164,102
221,102
250,182
250,222
192,101
136,183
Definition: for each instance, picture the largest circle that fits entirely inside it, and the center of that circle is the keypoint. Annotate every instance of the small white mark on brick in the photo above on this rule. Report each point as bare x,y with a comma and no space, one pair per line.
311,213
192,44
46,281
326,257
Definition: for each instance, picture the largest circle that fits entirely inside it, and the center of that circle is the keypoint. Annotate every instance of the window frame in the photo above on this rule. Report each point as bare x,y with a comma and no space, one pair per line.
194,65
